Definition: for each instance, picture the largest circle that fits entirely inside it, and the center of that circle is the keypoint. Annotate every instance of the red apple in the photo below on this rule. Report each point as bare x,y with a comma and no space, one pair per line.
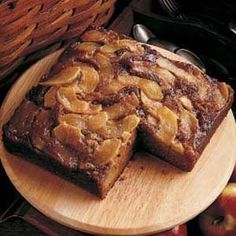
220,218
233,176
180,230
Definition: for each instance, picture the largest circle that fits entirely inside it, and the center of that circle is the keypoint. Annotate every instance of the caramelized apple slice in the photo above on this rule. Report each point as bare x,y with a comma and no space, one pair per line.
129,123
168,65
97,121
106,71
149,104
167,79
99,36
66,76
50,97
186,102
123,108
92,123
165,75
67,97
188,125
168,126
224,89
107,151
108,48
131,45
221,95
122,81
113,87
126,136
152,121
117,111
68,134
129,79
73,120
87,47
89,79
151,89
119,129
94,36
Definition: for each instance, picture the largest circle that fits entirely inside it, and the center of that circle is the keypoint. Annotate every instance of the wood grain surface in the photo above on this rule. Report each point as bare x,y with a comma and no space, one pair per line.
150,196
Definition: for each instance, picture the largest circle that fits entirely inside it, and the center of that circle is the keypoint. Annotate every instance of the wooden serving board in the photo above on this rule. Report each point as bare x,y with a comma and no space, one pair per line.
150,196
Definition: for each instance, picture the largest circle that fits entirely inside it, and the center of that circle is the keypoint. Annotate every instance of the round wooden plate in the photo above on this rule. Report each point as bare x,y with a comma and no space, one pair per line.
150,196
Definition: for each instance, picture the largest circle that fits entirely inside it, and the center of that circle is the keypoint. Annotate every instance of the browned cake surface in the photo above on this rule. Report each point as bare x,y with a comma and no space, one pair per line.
86,112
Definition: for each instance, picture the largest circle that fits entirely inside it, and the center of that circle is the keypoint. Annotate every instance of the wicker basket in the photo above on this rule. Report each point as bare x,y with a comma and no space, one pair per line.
30,29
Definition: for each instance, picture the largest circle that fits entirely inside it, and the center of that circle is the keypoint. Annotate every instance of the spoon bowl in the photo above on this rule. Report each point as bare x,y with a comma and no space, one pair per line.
192,57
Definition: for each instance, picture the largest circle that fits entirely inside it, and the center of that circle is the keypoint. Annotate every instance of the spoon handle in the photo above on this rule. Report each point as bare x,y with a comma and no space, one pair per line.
163,44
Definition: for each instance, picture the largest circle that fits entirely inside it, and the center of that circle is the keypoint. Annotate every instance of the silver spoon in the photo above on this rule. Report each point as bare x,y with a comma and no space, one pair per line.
232,27
142,34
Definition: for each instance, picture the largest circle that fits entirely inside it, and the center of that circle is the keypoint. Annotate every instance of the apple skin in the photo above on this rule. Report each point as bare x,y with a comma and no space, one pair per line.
180,230
220,218
233,176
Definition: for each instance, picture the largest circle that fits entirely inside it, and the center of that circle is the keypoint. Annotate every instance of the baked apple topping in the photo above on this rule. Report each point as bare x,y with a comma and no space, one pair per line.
107,151
151,89
129,123
67,97
87,47
73,120
127,44
123,85
188,125
149,104
121,109
99,36
128,79
186,102
68,134
168,126
66,76
89,79
105,70
97,121
221,95
113,88
118,110
170,66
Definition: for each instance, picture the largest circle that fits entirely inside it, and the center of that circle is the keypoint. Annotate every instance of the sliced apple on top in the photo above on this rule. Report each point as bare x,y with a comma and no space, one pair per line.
97,121
129,123
73,120
168,126
68,134
87,47
188,124
151,89
107,151
89,79
105,69
67,97
65,76
119,44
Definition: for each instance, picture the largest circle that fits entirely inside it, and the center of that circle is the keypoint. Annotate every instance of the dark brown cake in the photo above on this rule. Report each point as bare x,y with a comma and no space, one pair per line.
81,121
